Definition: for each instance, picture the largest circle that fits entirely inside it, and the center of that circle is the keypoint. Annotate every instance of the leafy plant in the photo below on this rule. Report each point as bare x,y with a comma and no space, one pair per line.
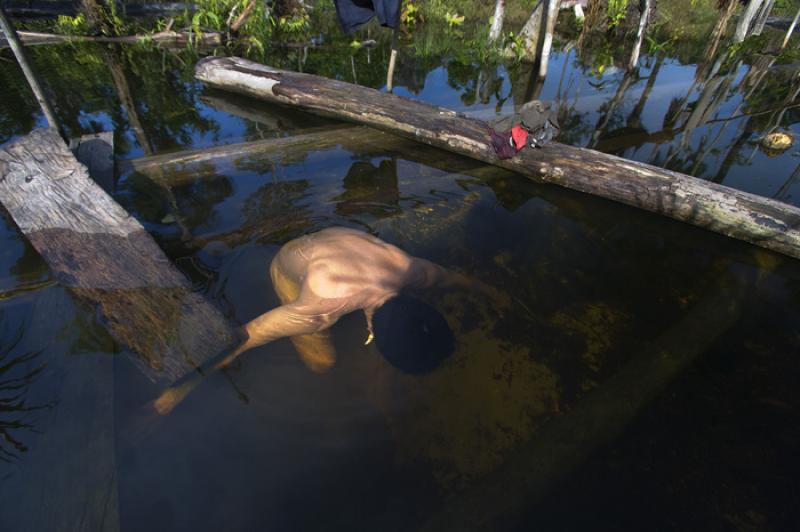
453,19
409,16
616,12
77,25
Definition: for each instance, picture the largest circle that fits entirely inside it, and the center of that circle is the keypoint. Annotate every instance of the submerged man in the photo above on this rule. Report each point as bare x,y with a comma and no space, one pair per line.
323,276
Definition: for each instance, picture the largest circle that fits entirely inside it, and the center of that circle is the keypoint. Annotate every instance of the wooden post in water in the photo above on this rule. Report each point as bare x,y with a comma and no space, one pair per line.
734,213
532,29
30,75
104,256
547,42
790,30
497,20
761,19
745,22
644,5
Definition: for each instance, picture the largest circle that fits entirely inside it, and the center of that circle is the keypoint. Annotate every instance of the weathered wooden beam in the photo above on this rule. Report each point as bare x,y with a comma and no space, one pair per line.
104,256
761,221
175,169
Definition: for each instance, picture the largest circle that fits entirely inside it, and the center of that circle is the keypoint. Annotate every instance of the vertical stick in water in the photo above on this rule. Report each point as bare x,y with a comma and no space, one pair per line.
497,20
744,23
790,30
547,42
392,61
393,56
19,53
637,47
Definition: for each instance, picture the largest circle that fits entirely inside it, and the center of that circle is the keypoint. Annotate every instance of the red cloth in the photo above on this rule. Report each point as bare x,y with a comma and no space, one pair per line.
520,135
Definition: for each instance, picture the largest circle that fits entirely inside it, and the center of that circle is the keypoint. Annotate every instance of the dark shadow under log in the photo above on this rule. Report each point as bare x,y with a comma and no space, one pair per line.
105,256
761,221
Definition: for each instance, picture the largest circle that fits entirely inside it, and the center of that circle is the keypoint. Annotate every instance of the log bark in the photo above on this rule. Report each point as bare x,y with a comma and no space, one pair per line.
761,221
105,257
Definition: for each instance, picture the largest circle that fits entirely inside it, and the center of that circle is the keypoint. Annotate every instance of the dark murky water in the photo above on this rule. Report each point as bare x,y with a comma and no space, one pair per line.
568,381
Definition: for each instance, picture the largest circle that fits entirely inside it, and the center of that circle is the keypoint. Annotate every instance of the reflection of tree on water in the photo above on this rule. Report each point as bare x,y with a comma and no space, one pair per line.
15,378
197,201
370,190
277,211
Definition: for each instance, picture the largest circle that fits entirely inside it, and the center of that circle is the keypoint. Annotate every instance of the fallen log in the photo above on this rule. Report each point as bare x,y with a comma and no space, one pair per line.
104,256
175,169
182,38
761,221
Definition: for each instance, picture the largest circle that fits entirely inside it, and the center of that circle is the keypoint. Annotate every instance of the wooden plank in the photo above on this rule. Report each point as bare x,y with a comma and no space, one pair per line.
96,152
760,221
174,169
105,256
178,168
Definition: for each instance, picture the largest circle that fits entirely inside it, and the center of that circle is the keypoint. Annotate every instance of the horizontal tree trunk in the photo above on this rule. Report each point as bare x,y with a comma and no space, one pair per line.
105,257
761,221
163,37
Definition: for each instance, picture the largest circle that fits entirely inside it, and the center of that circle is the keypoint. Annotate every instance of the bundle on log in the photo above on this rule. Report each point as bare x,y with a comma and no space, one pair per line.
761,221
105,257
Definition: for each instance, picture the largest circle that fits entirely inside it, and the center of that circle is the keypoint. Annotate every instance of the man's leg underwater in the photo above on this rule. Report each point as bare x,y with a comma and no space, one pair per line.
316,349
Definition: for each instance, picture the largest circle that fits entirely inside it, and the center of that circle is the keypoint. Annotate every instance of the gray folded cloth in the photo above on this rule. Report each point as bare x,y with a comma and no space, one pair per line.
538,117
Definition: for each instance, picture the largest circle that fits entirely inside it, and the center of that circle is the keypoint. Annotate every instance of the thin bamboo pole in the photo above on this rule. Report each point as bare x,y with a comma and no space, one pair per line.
30,75
790,30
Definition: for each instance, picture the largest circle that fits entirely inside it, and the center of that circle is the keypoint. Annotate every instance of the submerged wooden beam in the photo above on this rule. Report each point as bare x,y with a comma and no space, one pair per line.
761,221
104,256
174,169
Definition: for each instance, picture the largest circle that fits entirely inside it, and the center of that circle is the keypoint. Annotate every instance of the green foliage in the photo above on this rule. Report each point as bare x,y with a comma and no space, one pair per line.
616,12
409,16
76,25
294,27
453,19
